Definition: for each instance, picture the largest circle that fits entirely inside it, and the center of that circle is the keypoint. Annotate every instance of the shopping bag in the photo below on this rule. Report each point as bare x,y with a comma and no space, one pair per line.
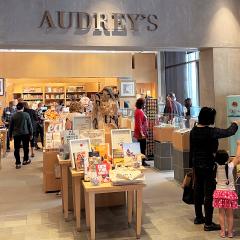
188,188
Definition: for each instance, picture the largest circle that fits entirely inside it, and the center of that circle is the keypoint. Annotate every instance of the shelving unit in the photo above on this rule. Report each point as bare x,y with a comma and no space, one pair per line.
151,112
74,91
51,93
32,94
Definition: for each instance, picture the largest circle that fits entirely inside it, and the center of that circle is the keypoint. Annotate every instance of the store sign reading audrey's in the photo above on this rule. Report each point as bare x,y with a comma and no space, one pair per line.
99,22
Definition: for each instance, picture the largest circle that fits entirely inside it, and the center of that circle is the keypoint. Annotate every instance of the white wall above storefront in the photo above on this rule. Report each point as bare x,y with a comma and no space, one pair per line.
180,24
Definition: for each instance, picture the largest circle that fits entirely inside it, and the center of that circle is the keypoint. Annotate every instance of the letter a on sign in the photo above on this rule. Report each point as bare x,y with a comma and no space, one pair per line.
47,18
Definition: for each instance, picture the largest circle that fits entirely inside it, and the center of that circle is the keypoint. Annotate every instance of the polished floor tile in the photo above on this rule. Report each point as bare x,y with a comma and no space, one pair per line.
27,213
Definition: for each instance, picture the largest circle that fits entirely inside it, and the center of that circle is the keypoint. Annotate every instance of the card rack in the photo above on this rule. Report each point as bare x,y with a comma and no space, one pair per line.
151,111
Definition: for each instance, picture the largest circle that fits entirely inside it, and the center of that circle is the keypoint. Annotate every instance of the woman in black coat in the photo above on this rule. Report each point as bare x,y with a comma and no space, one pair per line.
203,146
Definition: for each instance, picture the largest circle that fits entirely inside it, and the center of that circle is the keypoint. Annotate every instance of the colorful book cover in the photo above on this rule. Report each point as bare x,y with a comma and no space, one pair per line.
79,159
103,169
103,149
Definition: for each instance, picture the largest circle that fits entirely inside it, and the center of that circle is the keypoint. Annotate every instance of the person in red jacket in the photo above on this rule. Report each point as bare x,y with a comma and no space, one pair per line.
140,129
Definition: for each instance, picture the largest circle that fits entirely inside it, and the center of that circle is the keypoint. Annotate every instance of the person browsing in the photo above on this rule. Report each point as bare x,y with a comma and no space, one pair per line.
225,197
22,131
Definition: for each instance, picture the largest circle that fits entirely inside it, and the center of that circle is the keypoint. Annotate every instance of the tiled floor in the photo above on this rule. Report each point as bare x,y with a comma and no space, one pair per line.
26,213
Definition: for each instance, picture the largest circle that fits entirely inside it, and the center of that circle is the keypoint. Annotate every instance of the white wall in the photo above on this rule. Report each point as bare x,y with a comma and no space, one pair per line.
182,23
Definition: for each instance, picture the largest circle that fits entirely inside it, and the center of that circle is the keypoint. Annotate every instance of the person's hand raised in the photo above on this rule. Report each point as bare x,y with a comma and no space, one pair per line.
237,122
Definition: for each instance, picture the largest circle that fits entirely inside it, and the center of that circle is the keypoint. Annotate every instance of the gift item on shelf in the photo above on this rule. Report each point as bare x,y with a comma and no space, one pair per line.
51,114
32,90
74,89
54,89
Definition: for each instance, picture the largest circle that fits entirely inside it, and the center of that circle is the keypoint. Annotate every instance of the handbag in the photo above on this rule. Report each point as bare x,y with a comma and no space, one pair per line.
188,188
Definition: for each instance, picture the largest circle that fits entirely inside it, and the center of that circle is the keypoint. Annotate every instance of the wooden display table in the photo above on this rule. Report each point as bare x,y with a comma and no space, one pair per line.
163,133
181,140
3,135
76,189
64,166
181,146
50,182
91,191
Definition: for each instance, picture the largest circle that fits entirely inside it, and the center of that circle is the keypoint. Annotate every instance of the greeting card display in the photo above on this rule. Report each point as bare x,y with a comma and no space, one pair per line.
97,136
102,169
48,140
55,127
53,134
118,156
132,154
82,122
79,159
120,136
131,149
79,146
70,135
90,165
103,150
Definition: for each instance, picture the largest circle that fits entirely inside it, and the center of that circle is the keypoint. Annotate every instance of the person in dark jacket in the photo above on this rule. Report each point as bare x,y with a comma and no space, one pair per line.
203,146
33,116
21,130
6,118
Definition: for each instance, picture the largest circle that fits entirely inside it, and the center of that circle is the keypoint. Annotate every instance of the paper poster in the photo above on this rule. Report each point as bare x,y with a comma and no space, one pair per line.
78,146
120,136
70,135
97,136
82,123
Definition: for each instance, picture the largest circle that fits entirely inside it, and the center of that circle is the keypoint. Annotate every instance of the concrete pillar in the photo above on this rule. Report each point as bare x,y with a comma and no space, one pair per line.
161,84
219,77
